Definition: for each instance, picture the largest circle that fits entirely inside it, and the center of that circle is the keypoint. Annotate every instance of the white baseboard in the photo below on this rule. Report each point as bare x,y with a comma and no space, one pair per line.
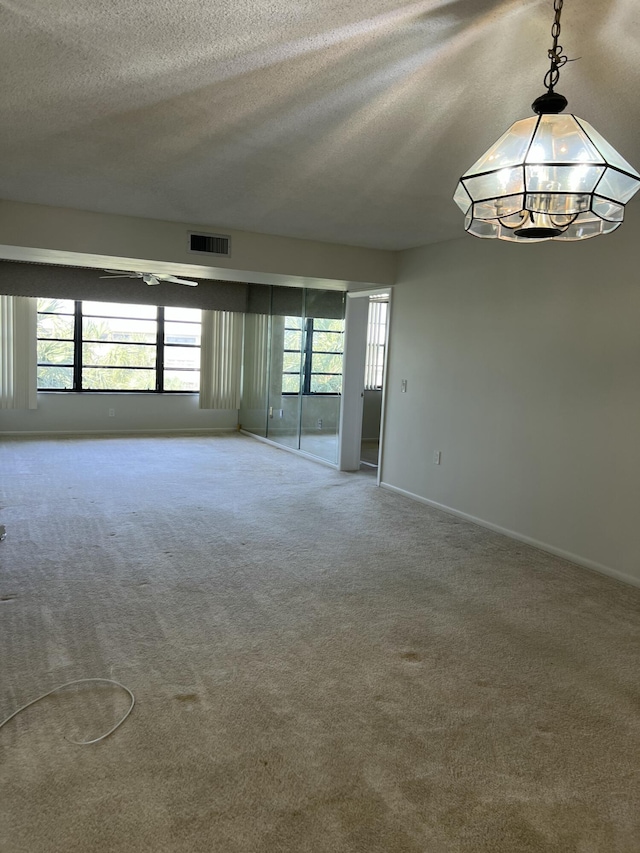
583,562
98,432
307,433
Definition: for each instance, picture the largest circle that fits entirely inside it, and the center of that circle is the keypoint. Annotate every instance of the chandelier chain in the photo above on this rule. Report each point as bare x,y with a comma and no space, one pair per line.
556,55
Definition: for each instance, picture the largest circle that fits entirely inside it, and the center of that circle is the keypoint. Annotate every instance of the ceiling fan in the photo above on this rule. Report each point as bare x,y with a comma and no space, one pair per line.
150,277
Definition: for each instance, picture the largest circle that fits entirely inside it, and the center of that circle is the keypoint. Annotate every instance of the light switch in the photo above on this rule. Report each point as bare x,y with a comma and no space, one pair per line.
404,386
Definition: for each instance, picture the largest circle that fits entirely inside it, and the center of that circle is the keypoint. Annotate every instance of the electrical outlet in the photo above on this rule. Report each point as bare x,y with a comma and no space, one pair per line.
319,423
437,456
112,413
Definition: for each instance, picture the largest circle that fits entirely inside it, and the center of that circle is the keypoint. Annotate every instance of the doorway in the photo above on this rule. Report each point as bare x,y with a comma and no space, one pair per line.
374,373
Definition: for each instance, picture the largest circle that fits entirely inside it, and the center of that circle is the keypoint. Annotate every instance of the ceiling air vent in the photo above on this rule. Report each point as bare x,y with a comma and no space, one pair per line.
210,244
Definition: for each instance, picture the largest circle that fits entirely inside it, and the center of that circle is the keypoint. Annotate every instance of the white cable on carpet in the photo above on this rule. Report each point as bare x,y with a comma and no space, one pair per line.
68,684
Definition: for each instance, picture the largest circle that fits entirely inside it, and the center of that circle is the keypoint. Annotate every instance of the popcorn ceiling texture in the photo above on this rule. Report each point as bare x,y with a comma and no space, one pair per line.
347,122
320,666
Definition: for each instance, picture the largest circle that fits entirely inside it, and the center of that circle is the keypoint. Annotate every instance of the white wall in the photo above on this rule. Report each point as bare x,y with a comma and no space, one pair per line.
523,369
84,412
34,232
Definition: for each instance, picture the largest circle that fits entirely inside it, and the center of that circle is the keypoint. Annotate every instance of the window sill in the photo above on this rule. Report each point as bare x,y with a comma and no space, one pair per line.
119,393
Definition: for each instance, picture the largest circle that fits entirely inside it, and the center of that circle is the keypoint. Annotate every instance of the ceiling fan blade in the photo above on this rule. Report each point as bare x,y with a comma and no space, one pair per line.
174,280
149,277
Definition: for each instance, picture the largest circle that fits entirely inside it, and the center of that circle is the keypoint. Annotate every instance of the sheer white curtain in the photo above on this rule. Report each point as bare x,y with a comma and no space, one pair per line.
18,352
255,374
221,360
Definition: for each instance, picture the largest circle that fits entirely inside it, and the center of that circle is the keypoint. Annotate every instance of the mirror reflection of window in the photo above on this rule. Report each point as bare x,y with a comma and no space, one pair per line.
322,373
299,370
292,349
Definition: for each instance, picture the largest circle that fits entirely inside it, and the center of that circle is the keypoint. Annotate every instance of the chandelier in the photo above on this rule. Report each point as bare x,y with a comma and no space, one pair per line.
550,176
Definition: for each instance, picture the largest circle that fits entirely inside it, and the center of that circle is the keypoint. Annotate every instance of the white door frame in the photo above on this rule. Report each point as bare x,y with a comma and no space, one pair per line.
355,350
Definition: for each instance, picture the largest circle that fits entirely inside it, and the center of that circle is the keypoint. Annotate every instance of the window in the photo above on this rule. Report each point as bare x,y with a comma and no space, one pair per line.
110,346
56,346
376,336
119,347
323,356
182,331
291,358
312,353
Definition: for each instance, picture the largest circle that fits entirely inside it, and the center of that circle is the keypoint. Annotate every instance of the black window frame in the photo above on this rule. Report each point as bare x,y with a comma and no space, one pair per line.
307,353
297,352
159,364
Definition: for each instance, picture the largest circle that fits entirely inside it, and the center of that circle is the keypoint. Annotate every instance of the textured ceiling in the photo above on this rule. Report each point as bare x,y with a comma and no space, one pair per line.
345,121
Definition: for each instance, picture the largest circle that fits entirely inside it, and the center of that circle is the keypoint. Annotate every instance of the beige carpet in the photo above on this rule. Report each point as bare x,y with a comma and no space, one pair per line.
320,666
